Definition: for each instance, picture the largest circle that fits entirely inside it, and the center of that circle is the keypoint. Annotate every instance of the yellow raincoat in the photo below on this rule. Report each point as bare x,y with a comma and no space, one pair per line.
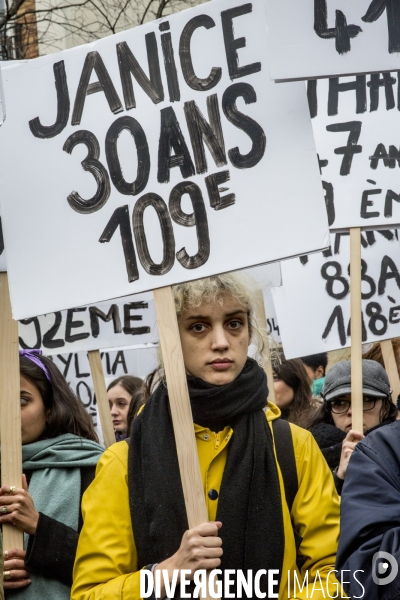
106,565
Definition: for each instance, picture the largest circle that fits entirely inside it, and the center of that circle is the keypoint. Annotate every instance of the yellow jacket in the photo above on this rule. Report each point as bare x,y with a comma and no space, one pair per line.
106,562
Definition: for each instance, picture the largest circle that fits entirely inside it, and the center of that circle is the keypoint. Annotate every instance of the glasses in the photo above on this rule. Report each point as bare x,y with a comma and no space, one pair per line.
340,406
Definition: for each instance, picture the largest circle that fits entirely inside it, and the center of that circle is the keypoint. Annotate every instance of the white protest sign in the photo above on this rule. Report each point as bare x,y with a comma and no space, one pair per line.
355,120
125,321
3,259
313,306
268,277
116,362
186,149
272,319
321,38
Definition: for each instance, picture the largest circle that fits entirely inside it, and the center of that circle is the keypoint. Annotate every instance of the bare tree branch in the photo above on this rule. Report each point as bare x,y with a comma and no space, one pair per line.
161,8
27,30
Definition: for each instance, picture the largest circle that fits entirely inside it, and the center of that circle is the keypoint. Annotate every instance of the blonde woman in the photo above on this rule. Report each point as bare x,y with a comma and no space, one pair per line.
134,512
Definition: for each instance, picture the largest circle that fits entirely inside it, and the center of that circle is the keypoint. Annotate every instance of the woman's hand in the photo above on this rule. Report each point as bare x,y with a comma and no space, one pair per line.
21,510
15,574
200,549
348,445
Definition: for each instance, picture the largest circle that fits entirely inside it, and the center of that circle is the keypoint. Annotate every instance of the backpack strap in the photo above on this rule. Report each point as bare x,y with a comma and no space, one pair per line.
286,459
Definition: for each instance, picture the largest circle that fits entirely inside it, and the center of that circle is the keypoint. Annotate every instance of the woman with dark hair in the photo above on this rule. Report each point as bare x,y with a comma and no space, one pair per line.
331,425
292,389
59,454
124,397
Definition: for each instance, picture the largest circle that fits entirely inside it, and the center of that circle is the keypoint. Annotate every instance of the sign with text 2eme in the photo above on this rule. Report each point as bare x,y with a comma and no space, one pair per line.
322,38
355,122
152,157
120,322
313,306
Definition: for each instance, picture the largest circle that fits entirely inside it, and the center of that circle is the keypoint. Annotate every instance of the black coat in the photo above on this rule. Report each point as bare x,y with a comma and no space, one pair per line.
370,513
330,439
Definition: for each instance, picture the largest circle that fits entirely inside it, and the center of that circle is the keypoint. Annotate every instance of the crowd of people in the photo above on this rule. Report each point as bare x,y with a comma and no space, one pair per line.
272,473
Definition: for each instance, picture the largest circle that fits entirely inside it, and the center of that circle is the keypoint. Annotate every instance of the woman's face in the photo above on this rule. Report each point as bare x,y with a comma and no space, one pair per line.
119,400
33,412
283,393
371,418
215,340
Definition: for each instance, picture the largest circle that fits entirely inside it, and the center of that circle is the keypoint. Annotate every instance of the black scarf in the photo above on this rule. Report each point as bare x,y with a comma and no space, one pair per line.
249,505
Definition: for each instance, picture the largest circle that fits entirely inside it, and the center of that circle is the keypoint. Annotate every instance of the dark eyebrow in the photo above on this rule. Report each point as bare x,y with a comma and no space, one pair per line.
26,392
200,317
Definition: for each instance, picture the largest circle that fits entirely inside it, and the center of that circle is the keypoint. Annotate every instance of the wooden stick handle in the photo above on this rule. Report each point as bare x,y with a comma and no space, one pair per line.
11,445
261,318
391,368
100,390
181,411
356,329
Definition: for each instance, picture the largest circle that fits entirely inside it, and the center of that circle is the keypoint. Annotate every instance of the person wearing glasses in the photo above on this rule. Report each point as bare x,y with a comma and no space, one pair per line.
331,425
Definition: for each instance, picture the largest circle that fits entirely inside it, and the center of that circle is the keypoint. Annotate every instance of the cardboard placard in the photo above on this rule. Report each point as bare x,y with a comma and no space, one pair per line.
321,38
121,322
185,161
313,304
355,120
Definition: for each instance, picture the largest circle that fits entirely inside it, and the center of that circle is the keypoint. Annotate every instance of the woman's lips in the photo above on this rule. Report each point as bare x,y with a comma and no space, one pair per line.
221,365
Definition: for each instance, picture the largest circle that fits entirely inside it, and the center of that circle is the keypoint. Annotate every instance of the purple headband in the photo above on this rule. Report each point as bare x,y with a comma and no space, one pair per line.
33,356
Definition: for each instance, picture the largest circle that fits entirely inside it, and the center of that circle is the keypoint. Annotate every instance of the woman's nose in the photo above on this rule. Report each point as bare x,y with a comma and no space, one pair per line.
220,339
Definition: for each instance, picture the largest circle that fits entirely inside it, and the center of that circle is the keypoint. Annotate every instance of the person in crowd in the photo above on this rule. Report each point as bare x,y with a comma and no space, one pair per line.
134,511
59,454
292,389
134,407
315,365
123,395
370,520
375,353
331,425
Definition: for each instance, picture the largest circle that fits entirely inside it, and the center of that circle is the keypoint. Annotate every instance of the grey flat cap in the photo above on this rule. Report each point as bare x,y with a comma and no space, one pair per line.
338,380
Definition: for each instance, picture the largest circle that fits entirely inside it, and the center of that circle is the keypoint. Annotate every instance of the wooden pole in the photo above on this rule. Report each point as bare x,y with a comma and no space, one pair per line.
391,368
261,319
356,329
11,445
181,411
100,390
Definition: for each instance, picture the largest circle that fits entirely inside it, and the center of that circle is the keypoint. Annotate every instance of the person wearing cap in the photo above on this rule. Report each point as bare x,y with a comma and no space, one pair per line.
331,425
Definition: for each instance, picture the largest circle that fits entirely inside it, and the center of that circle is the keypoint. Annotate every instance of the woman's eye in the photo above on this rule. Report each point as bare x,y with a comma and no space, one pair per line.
235,324
198,327
339,403
24,401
